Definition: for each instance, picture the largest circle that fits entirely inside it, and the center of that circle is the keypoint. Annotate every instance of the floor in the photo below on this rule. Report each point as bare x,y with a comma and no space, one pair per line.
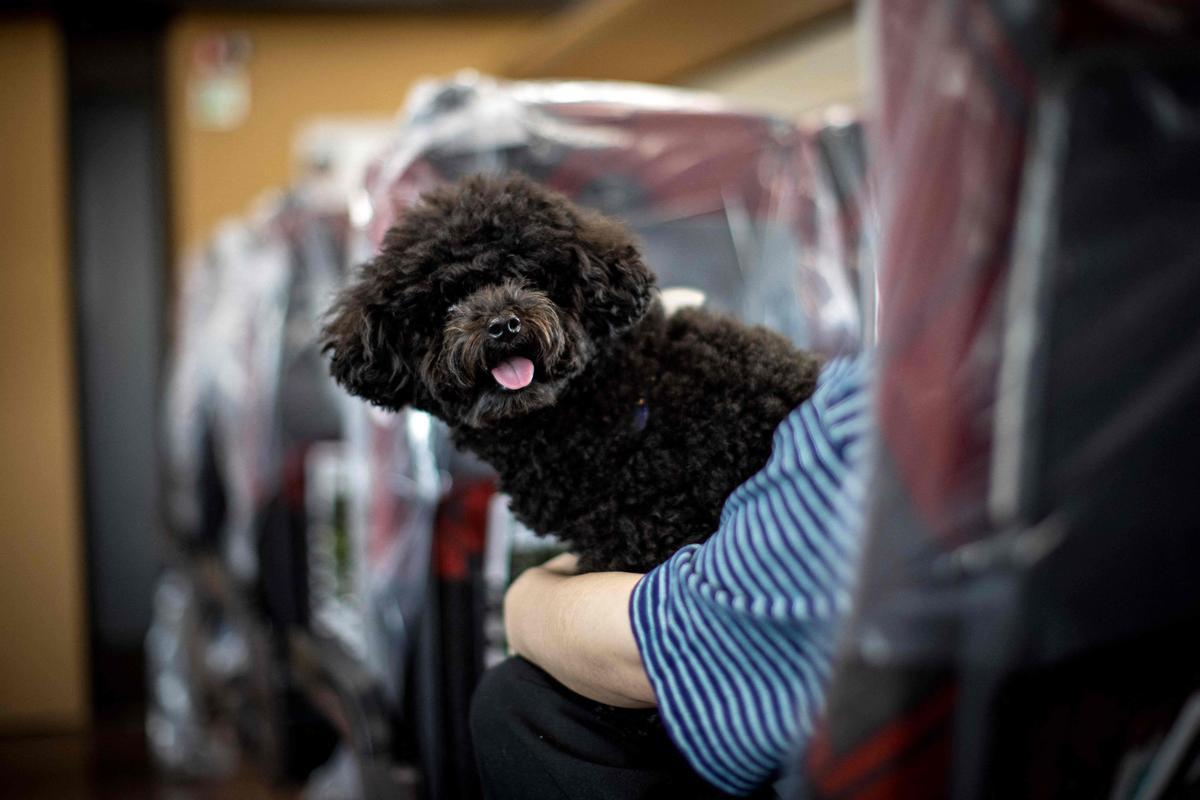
110,764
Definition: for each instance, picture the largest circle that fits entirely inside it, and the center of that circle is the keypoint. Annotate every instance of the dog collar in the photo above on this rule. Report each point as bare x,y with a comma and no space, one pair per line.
641,415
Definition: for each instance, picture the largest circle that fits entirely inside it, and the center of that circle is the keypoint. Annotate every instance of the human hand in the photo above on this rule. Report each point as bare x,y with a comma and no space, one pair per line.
577,628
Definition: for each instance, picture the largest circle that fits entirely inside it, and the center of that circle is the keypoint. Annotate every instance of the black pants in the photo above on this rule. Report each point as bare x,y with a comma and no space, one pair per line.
535,739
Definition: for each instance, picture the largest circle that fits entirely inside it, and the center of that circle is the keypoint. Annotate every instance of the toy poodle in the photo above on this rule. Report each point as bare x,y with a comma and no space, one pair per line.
533,328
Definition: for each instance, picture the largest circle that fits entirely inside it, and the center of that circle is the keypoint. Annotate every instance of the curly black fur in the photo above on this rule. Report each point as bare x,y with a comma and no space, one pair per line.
636,426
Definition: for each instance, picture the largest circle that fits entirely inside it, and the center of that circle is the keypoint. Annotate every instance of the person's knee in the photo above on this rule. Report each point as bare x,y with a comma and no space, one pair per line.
534,738
511,707
491,704
502,701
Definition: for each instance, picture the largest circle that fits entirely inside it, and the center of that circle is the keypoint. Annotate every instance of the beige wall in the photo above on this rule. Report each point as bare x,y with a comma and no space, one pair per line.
303,66
795,74
42,656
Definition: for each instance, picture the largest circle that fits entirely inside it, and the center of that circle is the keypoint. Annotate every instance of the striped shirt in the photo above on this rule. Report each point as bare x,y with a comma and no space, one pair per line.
737,633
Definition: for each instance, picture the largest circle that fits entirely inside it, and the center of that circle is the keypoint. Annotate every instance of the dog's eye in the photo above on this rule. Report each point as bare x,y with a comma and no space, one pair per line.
451,309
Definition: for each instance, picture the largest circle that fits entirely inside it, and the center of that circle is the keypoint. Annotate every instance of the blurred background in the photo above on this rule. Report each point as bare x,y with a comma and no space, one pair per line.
222,577
139,139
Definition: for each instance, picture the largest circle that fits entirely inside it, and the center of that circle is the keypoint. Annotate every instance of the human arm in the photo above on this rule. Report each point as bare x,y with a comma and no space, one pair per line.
737,634
577,628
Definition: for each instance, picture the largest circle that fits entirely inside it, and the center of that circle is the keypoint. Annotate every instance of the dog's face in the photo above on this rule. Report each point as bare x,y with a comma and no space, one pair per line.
484,303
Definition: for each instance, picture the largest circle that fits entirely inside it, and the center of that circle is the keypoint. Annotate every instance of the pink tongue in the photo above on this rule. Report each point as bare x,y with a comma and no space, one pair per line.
515,373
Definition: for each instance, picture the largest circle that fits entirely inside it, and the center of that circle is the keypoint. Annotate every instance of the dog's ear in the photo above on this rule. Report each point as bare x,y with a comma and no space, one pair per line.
361,336
618,287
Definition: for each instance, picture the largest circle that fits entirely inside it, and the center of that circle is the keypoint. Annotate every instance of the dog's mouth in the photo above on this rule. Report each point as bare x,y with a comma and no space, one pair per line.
514,373
516,383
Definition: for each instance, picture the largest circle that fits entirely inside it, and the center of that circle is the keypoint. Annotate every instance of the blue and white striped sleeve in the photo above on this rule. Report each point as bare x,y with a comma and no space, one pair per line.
737,633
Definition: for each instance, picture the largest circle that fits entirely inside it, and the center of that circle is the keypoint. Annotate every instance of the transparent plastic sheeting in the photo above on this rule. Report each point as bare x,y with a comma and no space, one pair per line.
397,485
222,386
246,385
241,395
254,422
179,729
761,216
256,444
1029,578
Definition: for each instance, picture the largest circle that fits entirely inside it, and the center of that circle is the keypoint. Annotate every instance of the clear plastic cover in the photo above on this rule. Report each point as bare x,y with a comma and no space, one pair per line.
179,728
248,344
391,515
186,396
739,206
259,478
1029,562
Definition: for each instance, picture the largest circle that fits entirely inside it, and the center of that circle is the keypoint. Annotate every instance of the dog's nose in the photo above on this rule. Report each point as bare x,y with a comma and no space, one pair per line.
504,328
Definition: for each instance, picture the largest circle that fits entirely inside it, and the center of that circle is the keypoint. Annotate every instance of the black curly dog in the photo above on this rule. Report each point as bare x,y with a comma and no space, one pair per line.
532,327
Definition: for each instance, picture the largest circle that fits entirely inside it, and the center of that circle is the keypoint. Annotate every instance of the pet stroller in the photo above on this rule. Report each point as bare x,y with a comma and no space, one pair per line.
249,404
